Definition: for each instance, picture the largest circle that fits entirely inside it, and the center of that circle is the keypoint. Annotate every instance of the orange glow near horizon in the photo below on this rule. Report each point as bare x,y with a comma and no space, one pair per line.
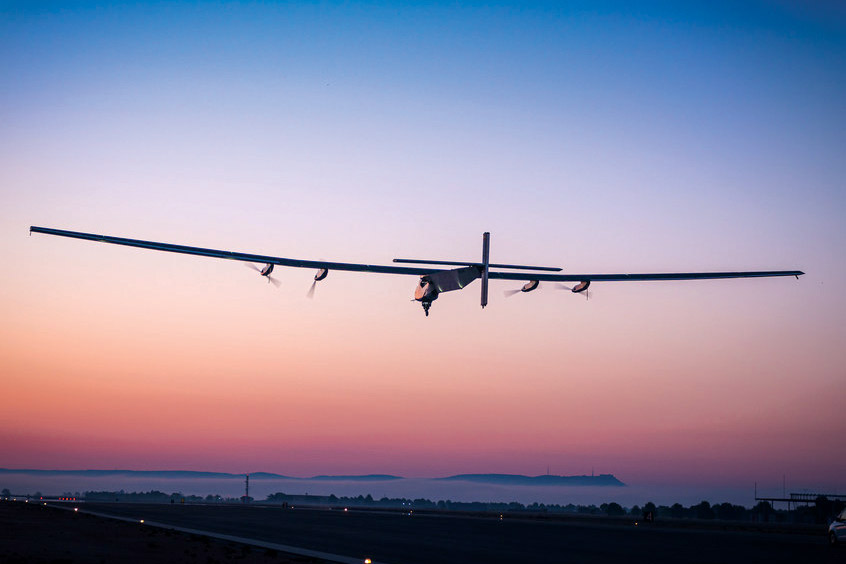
321,400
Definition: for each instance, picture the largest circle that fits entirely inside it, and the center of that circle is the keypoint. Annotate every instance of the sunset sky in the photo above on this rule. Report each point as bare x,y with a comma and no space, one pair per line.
598,137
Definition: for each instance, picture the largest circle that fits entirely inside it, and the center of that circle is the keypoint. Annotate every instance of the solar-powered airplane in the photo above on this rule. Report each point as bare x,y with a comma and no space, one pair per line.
433,281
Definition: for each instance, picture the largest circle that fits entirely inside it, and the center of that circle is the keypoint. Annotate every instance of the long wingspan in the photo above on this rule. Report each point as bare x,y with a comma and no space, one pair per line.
233,255
415,271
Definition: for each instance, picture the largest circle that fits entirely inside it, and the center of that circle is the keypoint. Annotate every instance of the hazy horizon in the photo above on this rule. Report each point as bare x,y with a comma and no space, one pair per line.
411,488
430,487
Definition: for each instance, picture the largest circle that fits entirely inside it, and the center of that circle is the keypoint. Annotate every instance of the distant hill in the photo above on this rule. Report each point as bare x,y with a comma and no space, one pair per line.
364,478
139,473
191,474
503,479
543,480
145,473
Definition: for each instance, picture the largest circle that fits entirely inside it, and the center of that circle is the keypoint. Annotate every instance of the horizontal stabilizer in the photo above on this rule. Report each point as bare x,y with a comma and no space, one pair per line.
479,264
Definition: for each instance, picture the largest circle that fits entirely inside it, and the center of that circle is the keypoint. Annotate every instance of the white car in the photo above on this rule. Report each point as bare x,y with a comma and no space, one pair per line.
837,529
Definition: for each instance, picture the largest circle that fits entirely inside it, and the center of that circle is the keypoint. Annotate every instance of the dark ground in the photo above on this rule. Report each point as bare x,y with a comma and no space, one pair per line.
398,538
33,533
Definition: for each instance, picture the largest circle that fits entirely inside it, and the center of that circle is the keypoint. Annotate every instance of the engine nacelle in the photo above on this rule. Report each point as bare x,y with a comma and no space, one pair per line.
268,268
530,285
321,274
581,286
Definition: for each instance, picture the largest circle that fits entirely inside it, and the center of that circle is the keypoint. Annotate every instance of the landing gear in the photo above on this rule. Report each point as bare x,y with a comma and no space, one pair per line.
426,305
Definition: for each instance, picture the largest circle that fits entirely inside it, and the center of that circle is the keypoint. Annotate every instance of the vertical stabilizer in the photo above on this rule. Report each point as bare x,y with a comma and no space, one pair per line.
486,256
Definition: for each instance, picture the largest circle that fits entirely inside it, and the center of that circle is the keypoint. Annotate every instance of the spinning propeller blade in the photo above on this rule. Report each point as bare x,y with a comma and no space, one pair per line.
270,278
320,275
587,292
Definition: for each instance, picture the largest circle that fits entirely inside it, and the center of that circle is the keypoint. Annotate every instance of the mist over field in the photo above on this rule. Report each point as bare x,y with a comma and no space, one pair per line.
412,488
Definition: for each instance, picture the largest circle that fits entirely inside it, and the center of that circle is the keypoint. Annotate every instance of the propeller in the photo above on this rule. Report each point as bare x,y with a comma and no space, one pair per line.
270,278
529,286
587,292
321,274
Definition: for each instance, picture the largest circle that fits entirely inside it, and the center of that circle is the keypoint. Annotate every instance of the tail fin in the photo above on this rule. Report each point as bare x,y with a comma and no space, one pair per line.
486,251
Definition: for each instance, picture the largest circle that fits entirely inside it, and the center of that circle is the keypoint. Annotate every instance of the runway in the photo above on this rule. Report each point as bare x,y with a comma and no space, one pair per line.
399,538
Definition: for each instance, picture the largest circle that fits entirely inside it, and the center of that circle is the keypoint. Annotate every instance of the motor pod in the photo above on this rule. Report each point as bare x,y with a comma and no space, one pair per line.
581,286
530,285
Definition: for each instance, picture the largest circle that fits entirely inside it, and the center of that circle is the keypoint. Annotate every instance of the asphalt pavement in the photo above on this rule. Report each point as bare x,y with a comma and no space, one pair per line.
400,538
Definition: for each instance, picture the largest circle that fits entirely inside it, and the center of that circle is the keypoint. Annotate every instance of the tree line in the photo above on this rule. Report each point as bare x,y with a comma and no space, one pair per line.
820,511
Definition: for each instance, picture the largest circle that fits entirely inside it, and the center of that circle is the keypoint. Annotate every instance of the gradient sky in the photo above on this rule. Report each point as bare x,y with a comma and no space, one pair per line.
600,137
